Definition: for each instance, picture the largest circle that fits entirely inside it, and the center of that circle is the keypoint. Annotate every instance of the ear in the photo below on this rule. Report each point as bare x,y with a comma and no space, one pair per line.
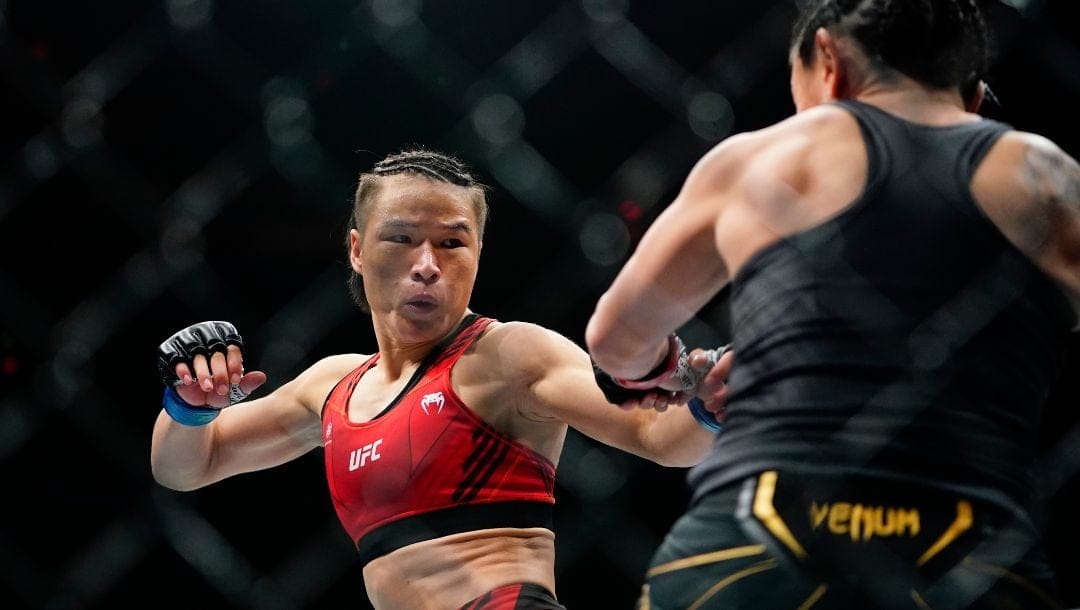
356,253
834,67
972,105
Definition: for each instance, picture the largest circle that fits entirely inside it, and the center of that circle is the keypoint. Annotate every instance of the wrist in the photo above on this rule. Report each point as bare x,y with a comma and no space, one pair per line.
183,413
661,372
703,416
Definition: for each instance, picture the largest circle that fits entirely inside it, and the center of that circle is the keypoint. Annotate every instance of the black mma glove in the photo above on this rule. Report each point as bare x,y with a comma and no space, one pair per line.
618,391
675,365
203,338
613,392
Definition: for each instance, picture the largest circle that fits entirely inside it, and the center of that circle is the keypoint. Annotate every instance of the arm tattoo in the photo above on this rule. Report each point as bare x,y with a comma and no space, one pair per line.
1053,178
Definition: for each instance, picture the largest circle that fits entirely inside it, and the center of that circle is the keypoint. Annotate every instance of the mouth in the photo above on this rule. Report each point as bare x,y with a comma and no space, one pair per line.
422,303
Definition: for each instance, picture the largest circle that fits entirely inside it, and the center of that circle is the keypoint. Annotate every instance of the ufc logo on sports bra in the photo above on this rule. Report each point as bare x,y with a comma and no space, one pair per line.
368,453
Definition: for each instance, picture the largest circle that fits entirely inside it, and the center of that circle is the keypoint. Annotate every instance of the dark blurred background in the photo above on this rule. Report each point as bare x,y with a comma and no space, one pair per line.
167,162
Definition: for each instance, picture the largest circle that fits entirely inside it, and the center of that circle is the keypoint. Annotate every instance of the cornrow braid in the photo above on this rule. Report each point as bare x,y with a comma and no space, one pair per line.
431,164
942,43
815,14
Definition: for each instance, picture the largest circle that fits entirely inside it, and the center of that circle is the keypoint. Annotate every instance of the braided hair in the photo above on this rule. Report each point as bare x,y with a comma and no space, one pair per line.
941,43
437,166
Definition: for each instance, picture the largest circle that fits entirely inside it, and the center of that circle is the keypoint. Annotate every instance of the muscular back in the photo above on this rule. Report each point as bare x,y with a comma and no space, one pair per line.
788,178
803,171
893,331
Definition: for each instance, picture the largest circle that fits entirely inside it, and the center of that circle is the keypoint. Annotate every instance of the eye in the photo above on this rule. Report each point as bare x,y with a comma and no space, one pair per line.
399,239
453,242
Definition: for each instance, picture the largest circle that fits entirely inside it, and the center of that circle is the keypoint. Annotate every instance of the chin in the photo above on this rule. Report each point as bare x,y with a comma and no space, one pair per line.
425,322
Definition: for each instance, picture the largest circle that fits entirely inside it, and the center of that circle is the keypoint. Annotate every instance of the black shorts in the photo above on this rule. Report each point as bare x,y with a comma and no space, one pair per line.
786,541
521,596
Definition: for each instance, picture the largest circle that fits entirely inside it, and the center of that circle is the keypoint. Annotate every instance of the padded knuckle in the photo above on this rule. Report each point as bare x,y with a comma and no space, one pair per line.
202,339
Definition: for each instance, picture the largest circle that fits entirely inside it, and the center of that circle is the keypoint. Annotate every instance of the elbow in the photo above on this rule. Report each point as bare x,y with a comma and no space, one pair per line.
617,346
595,342
600,340
162,478
695,455
681,457
671,460
172,477
686,451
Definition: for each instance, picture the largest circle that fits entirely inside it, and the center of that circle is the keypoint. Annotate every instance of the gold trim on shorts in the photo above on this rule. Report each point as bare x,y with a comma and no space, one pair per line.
963,521
706,558
766,513
762,566
814,597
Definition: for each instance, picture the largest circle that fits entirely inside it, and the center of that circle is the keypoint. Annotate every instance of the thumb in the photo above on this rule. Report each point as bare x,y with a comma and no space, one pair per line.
714,376
192,394
698,359
251,381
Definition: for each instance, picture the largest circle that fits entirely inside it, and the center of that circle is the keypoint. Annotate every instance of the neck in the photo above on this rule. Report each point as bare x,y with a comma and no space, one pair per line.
403,344
915,102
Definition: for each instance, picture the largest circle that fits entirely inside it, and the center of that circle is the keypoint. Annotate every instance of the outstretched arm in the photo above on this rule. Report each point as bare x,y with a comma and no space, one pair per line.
561,386
674,271
212,445
249,436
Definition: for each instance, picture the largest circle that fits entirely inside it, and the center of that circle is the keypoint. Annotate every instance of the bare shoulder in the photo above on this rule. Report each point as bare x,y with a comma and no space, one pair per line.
785,146
802,138
1036,165
523,351
313,385
1048,173
726,161
336,366
811,127
1030,188
818,119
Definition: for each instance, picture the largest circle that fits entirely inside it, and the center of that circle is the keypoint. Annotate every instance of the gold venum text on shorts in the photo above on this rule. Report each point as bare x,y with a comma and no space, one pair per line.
863,522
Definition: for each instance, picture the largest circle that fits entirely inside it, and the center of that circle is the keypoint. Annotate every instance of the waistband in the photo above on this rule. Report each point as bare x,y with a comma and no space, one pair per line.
454,520
518,596
817,517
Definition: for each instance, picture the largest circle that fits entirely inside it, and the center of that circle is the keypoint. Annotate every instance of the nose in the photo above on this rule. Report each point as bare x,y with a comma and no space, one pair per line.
425,268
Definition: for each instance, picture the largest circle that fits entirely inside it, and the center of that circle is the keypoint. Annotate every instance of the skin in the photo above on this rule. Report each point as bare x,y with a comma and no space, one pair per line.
418,254
756,188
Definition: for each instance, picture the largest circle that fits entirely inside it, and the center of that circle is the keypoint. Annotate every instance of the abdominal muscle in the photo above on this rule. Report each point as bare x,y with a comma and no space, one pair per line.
445,573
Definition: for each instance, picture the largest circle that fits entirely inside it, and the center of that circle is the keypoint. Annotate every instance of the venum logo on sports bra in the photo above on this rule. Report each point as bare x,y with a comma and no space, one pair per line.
358,458
430,401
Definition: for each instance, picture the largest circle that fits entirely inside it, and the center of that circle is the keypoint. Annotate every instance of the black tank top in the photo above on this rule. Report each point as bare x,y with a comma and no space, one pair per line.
905,337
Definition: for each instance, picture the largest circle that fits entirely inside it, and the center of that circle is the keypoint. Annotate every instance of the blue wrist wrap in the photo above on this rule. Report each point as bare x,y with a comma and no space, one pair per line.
703,416
186,414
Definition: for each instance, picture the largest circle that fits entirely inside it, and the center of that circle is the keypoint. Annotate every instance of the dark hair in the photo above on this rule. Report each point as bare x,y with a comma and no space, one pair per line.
941,43
433,165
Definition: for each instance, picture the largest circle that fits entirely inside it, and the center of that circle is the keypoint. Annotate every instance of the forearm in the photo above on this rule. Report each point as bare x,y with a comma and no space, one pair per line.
628,332
677,439
623,350
180,456
674,271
